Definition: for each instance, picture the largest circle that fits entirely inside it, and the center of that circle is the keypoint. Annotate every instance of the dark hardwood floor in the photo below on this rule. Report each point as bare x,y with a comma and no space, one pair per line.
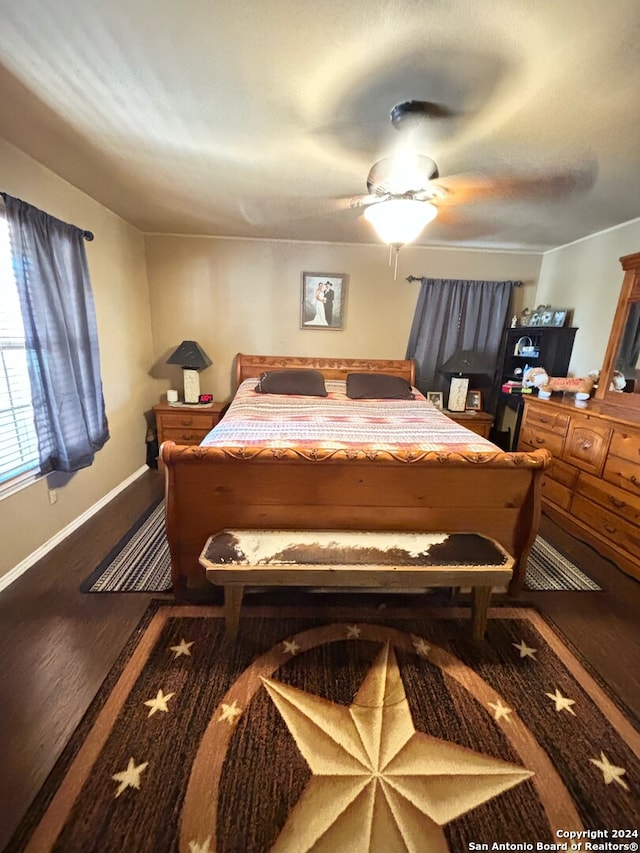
57,644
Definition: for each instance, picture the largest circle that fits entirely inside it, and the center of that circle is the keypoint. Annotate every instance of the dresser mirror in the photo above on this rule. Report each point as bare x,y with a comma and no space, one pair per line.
623,349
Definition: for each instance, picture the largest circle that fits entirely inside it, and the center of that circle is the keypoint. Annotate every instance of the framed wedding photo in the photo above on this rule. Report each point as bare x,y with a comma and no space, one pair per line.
322,300
474,401
436,398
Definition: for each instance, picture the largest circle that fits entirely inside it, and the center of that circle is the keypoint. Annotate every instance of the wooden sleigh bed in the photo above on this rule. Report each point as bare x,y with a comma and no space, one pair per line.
209,489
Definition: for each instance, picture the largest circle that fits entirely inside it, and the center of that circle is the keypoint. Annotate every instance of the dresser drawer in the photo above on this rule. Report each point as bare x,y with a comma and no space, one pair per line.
531,437
623,473
563,473
615,500
548,420
586,445
184,435
555,492
626,445
618,531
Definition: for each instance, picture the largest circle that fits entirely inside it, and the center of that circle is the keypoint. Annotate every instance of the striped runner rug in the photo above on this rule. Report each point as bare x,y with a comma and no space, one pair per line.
140,563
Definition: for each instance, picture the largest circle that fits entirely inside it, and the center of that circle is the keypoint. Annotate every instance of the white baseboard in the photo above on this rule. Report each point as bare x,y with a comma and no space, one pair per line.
36,555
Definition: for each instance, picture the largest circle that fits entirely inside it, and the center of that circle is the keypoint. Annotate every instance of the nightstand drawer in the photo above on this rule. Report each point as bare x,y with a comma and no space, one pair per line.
184,435
187,419
184,424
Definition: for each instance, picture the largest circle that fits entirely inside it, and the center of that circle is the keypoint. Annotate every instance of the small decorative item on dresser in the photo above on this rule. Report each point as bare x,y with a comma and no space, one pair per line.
474,401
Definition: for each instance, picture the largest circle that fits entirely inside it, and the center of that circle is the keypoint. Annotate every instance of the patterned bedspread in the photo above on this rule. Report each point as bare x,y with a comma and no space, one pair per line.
337,422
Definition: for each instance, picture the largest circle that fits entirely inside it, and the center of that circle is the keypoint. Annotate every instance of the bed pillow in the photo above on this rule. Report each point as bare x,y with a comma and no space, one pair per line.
295,381
378,386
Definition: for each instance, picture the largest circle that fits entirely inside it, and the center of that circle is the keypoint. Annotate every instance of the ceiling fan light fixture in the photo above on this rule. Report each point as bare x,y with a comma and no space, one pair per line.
400,220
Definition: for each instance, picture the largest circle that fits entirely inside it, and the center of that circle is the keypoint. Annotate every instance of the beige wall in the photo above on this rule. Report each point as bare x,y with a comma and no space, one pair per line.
118,273
587,277
244,296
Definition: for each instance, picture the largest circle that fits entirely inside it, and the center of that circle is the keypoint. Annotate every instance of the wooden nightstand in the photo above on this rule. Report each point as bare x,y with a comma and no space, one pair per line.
186,424
478,422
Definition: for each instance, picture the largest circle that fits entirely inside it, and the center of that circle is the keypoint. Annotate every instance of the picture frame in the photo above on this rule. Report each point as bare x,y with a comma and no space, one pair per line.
474,400
437,398
559,316
317,310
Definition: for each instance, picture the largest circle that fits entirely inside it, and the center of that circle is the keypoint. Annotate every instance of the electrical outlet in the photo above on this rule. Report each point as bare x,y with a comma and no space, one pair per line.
53,496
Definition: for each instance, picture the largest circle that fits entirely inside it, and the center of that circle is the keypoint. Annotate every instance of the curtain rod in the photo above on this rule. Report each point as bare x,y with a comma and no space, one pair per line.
88,235
412,278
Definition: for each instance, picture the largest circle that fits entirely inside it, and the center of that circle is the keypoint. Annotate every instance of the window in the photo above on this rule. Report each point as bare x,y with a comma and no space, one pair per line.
18,441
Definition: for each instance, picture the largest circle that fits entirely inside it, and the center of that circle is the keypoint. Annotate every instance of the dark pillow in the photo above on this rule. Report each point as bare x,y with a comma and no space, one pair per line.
377,386
296,381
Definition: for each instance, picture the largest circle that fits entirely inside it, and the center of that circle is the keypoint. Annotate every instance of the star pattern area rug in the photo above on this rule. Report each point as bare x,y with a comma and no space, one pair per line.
358,731
141,563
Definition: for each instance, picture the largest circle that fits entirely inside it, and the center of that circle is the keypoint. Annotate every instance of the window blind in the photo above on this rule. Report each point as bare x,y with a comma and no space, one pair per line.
18,440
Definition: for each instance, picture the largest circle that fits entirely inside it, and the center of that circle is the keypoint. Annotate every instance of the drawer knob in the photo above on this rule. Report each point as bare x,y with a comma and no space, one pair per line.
544,420
186,421
610,528
616,502
587,445
634,479
540,441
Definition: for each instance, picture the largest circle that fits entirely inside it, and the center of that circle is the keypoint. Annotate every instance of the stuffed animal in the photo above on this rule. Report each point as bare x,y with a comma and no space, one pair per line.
537,377
618,382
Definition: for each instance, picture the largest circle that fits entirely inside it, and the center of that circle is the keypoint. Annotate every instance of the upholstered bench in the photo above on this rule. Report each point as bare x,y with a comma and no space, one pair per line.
386,560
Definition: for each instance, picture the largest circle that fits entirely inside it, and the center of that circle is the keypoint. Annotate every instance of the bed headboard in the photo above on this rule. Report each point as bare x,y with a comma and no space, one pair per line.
331,368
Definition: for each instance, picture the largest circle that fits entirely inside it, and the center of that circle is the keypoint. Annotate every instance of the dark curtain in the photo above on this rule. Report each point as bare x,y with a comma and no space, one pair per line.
454,315
61,336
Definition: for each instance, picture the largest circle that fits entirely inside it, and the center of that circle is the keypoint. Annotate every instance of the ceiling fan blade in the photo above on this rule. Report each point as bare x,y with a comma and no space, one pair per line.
481,187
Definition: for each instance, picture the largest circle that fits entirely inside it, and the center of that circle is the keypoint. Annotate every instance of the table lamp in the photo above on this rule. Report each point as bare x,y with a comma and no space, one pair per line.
460,367
191,358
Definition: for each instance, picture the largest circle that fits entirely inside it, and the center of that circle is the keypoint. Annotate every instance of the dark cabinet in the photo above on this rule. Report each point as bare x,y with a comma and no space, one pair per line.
524,347
535,346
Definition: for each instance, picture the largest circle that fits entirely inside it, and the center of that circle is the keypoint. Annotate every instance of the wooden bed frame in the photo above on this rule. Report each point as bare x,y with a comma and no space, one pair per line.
209,489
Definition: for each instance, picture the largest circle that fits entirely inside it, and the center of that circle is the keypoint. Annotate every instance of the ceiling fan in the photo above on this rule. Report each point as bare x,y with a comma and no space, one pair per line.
405,191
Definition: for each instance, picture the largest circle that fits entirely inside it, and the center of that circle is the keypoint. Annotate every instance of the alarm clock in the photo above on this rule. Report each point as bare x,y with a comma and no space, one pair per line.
205,398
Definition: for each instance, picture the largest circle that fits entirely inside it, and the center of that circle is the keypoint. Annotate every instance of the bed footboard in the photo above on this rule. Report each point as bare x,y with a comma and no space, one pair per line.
212,488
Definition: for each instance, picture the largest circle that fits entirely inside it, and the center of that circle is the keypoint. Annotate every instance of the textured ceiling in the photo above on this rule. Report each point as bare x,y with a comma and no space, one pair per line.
247,117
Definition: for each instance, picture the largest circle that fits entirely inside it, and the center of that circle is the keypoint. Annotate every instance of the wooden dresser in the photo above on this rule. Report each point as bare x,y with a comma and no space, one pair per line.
186,424
593,486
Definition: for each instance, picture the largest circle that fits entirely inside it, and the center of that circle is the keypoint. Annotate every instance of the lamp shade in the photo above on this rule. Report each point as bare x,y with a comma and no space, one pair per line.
190,355
468,363
400,220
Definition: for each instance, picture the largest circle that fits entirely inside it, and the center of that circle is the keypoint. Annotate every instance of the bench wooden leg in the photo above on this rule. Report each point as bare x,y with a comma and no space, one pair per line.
232,603
479,608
